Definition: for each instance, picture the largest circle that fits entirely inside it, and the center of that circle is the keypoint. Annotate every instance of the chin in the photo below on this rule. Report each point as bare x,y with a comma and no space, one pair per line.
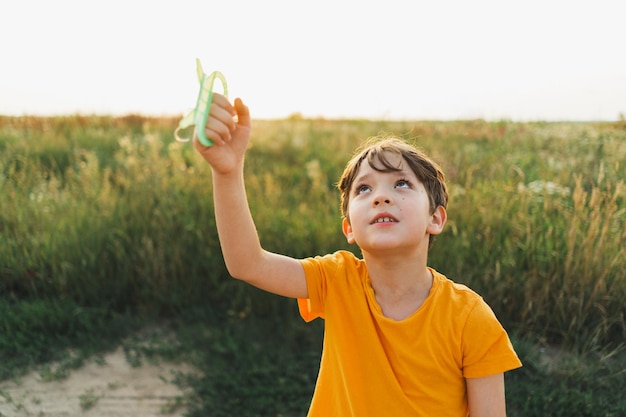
383,247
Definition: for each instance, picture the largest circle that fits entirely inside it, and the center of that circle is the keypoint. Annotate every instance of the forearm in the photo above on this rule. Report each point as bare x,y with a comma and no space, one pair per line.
237,232
242,251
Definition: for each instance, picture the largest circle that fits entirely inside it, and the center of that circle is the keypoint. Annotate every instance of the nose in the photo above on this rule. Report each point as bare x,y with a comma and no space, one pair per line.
380,198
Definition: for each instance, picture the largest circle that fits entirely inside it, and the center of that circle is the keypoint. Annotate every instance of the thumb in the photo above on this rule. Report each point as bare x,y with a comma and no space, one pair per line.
243,113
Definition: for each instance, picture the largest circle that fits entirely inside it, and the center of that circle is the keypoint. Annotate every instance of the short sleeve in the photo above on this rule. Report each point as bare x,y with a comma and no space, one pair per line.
320,272
487,349
317,271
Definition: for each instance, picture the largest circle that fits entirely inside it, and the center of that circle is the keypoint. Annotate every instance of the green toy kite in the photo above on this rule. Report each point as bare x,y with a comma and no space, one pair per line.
200,114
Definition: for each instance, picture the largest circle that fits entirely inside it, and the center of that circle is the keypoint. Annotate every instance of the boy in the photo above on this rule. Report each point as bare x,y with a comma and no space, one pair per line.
400,338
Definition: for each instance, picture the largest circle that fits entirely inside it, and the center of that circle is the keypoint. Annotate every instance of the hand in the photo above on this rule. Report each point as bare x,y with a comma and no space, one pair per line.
230,138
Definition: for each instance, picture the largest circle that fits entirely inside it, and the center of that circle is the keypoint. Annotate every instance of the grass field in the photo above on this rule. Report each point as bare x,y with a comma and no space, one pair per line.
106,227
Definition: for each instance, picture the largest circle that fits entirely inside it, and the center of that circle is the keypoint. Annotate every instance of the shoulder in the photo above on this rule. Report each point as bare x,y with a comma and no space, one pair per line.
486,348
334,262
456,293
458,302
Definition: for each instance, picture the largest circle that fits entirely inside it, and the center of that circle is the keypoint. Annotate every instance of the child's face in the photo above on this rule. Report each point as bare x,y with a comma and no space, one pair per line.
390,210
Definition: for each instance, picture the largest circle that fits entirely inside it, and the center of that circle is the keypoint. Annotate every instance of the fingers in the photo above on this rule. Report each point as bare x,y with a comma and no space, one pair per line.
243,113
224,118
220,122
221,101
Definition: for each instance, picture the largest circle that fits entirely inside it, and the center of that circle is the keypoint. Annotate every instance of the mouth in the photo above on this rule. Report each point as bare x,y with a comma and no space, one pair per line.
384,219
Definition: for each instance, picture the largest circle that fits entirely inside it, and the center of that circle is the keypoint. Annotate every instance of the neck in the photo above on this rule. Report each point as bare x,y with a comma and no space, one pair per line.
396,277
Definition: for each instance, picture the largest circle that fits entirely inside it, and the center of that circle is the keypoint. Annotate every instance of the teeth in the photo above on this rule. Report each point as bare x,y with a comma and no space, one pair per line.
384,220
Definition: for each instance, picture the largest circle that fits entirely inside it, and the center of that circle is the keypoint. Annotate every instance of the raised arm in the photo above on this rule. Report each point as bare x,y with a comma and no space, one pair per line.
243,254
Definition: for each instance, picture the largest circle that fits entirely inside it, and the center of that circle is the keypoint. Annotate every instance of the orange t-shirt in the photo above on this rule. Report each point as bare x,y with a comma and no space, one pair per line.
375,366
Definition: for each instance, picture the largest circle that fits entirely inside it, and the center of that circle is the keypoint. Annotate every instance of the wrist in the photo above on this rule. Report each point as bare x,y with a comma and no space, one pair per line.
233,174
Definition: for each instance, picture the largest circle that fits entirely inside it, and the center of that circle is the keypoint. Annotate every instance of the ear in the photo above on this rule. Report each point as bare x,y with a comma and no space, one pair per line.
437,221
347,230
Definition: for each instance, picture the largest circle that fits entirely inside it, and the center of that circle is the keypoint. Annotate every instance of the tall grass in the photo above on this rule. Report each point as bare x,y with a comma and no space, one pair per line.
110,213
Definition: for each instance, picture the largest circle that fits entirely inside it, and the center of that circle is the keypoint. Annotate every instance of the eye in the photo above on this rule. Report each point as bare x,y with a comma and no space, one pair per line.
403,184
362,188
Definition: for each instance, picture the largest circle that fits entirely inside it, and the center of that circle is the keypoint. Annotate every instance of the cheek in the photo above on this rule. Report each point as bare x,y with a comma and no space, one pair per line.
352,215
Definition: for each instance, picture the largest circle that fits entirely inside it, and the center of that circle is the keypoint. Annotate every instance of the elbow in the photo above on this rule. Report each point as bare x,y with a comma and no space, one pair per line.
244,268
235,273
238,271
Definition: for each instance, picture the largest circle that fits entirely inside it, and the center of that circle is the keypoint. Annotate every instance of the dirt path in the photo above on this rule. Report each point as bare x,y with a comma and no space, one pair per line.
109,389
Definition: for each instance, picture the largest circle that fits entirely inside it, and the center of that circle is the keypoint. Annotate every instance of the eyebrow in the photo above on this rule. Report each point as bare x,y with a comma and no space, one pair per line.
401,173
361,178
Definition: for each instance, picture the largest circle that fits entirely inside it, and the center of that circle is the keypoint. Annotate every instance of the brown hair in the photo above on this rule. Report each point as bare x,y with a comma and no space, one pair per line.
375,151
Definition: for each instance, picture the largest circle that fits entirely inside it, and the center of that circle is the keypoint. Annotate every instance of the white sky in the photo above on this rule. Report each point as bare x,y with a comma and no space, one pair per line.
437,59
